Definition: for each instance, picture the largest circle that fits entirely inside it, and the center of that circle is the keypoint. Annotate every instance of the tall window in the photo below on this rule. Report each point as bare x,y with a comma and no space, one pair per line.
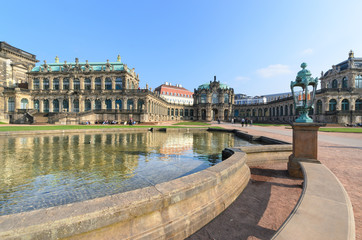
358,81
76,105
98,104
46,84
55,84
286,110
55,105
345,105
226,98
172,111
46,105
191,112
214,98
36,84
332,105
24,103
109,104
108,84
236,113
319,107
11,104
345,83
66,83
36,104
203,98
130,104
141,103
181,112
88,105
359,105
76,84
119,104
98,84
335,84
118,83
176,112
87,84
66,105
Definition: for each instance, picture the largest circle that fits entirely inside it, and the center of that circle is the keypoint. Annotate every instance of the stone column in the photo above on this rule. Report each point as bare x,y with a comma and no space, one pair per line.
124,103
113,83
51,104
92,83
305,146
60,83
41,87
31,84
41,105
81,79
51,83
71,84
60,104
103,103
70,104
103,83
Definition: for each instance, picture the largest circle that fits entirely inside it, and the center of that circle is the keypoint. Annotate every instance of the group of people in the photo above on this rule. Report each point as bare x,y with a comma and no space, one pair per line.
246,122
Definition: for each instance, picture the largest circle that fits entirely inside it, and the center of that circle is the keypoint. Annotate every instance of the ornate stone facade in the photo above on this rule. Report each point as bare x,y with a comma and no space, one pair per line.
213,101
338,101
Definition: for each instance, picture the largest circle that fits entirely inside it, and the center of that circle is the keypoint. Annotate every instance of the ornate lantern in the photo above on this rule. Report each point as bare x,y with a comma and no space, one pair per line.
303,90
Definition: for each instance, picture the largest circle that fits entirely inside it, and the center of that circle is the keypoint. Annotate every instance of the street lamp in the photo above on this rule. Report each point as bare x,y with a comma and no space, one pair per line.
303,89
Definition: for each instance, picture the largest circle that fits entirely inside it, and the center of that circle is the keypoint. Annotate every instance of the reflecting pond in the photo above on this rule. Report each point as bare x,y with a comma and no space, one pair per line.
45,171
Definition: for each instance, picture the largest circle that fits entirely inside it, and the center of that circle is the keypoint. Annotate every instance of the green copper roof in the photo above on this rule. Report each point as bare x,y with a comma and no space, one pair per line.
207,86
97,66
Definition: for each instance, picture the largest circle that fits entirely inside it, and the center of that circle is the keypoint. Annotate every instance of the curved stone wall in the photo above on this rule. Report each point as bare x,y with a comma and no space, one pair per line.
172,209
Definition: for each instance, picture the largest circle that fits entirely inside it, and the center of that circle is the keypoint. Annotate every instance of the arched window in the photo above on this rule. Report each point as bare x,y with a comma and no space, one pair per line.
36,84
11,104
358,81
172,111
291,110
97,104
109,104
36,104
181,112
203,98
76,105
359,105
176,112
186,112
345,105
260,112
87,84
335,84
76,84
141,103
214,98
87,105
273,111
108,84
286,110
277,108
118,83
55,84
55,105
130,104
66,83
168,111
24,103
226,98
46,84
236,113
265,112
254,112
119,104
281,111
191,112
319,107
345,83
66,105
98,84
46,105
332,105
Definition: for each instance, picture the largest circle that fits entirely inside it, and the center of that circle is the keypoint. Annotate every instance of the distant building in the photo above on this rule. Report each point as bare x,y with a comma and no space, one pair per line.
242,99
175,94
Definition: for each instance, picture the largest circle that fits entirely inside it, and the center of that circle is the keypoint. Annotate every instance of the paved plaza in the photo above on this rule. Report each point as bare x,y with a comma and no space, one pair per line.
340,152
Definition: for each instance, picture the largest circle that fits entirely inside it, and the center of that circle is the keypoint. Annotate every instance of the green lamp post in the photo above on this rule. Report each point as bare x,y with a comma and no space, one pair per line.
303,89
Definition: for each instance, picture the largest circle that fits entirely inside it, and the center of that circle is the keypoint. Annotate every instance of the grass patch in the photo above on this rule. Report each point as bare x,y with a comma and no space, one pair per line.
192,123
71,127
2,123
342,130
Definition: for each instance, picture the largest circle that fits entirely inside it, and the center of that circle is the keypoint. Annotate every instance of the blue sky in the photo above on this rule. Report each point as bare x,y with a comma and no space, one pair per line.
256,47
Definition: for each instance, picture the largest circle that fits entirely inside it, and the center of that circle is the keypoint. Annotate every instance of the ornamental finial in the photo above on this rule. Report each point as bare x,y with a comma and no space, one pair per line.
118,58
56,59
351,54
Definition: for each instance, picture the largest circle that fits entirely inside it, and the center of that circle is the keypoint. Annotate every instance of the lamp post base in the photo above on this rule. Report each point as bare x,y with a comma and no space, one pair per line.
305,146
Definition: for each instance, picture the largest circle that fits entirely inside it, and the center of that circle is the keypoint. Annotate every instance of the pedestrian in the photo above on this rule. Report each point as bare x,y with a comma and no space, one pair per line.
251,122
246,122
242,122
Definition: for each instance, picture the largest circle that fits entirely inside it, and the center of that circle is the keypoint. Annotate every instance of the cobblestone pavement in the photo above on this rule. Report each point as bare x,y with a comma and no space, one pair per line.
277,194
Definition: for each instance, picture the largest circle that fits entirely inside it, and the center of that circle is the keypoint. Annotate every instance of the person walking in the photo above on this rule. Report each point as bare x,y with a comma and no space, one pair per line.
242,122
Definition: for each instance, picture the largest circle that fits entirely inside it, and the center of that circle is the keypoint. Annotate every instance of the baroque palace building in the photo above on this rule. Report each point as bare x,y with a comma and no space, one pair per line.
78,92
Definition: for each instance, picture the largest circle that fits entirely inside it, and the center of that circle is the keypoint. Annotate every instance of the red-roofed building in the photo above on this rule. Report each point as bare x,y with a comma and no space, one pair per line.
175,94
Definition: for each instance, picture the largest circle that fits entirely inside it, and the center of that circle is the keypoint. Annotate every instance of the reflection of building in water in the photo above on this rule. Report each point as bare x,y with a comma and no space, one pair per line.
177,143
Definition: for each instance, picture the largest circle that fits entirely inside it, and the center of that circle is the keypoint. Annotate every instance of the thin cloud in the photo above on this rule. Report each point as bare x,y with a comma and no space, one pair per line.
307,51
274,70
